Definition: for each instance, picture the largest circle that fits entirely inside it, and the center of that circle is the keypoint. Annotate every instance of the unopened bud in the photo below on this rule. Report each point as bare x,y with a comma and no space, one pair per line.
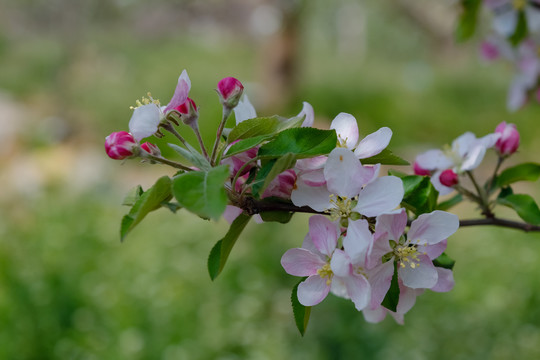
508,143
448,178
120,145
151,149
418,170
188,111
230,91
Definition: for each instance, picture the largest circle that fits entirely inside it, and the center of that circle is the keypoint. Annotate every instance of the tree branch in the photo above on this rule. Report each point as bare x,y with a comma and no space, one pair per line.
500,222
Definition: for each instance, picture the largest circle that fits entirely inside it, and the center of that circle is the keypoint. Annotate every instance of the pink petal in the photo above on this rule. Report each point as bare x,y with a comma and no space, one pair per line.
180,93
433,227
313,178
323,233
341,264
346,128
380,279
434,251
231,213
357,241
424,275
374,143
317,198
374,315
393,223
308,164
407,298
301,262
313,290
380,196
359,291
445,282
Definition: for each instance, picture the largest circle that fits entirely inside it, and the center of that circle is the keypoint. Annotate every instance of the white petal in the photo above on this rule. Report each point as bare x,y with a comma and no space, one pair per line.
435,250
380,196
231,213
380,279
393,223
489,140
464,144
359,291
445,281
313,290
180,93
433,227
323,233
341,264
407,299
309,164
346,128
505,22
376,315
533,18
144,121
313,178
517,93
374,143
436,181
357,241
473,159
309,114
317,198
244,110
434,160
424,275
344,174
301,262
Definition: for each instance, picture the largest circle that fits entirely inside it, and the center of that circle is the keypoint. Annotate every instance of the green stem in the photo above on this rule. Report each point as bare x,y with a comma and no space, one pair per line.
167,126
484,204
195,128
494,176
225,116
161,160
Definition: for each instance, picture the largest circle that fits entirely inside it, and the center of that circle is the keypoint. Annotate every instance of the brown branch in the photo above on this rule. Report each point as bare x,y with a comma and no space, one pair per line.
500,222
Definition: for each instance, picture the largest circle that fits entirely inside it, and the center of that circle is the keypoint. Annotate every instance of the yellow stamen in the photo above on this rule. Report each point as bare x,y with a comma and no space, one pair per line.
326,271
519,4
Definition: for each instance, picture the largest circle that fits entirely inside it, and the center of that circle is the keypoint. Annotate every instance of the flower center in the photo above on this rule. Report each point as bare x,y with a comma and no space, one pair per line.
407,255
145,101
453,155
342,207
326,272
341,143
519,4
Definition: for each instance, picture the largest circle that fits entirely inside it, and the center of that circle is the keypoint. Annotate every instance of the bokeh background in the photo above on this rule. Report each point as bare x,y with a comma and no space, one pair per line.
69,70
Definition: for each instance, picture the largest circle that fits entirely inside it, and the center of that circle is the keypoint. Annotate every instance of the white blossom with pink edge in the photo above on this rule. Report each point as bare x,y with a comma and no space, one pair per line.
506,15
465,154
350,187
327,266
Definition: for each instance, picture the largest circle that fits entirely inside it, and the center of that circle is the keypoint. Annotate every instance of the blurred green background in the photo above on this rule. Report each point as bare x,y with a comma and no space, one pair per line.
69,70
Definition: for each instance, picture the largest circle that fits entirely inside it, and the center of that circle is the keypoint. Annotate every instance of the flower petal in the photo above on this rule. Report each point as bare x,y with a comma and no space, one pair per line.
323,233
359,291
407,298
244,110
313,290
445,282
436,182
231,213
380,278
434,251
357,241
473,158
433,227
380,196
317,198
180,93
424,274
344,174
434,160
144,121
464,144
346,128
309,114
341,264
301,262
392,223
505,22
374,315
374,143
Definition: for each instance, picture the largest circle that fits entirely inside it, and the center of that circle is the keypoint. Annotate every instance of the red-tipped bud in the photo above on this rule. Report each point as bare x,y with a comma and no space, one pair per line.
189,112
418,170
119,145
508,143
448,178
151,149
230,91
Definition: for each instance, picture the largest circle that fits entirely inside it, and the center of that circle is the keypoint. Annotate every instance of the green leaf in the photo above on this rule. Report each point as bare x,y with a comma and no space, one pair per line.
255,127
269,171
386,157
521,29
246,144
444,261
301,313
301,142
282,217
193,156
420,196
445,205
521,172
399,174
220,252
391,299
172,206
133,195
147,202
467,19
202,192
524,205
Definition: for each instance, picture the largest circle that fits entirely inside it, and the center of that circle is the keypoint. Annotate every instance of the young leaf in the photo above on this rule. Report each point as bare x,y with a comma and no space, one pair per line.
444,261
193,156
420,196
301,142
133,195
301,313
521,172
445,205
524,205
467,20
391,299
270,170
246,144
521,29
147,202
202,192
255,127
386,157
220,252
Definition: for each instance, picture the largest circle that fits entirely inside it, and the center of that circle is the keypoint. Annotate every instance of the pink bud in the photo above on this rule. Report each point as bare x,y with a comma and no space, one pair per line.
119,145
189,112
230,90
151,149
508,143
418,170
489,51
448,178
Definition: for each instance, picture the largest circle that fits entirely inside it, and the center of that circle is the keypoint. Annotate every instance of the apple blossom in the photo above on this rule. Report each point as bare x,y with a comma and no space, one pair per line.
151,149
244,110
506,15
230,91
508,143
120,145
188,111
448,178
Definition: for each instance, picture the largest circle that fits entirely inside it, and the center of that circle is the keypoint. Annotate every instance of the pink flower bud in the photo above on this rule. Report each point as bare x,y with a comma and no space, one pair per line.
151,149
448,178
489,51
230,91
418,170
508,143
189,112
119,145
